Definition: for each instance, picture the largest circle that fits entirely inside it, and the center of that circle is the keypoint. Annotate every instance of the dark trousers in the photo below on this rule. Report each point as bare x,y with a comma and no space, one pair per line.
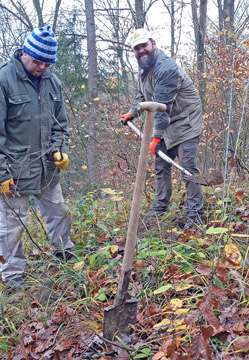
187,154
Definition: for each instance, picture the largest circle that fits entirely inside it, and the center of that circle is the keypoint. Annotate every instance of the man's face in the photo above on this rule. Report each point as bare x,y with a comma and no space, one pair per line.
33,66
145,54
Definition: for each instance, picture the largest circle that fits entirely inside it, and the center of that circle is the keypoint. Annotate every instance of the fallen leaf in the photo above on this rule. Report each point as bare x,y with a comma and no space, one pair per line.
241,344
233,253
178,340
158,356
176,304
114,248
78,266
162,289
164,322
181,311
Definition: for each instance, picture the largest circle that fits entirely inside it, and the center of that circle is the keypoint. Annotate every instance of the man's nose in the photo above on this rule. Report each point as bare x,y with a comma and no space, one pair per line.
140,50
42,66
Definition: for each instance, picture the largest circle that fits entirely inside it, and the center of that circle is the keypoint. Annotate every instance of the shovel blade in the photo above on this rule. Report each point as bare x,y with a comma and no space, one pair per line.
118,317
213,178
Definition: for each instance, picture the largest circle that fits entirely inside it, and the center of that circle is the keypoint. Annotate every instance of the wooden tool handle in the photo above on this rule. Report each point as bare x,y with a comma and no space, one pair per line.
122,291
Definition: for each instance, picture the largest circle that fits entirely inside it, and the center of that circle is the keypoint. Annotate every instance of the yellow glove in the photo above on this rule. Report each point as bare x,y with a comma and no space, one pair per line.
61,163
5,186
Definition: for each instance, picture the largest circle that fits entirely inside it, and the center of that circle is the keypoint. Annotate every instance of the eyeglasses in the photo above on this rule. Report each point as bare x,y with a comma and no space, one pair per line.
38,62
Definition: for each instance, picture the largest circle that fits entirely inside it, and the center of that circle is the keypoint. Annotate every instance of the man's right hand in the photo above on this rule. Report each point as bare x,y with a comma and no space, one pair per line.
5,186
155,145
125,118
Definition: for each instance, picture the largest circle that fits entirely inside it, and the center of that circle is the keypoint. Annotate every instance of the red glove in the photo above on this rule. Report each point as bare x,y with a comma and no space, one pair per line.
125,118
155,145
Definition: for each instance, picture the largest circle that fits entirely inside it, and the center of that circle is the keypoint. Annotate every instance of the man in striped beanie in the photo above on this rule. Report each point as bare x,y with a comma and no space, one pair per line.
34,149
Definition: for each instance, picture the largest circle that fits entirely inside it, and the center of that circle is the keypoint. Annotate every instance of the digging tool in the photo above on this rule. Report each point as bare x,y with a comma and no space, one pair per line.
123,312
214,178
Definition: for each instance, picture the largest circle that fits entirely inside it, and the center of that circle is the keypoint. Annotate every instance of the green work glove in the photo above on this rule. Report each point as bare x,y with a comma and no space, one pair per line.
61,163
5,186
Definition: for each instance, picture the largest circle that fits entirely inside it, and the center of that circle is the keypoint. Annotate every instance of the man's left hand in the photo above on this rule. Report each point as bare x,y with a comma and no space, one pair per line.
155,145
61,162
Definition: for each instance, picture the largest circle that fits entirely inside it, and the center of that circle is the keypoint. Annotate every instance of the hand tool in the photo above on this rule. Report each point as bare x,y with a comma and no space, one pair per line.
118,316
14,189
213,178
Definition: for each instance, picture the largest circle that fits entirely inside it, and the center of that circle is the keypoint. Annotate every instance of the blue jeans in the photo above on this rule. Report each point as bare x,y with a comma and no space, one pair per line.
187,154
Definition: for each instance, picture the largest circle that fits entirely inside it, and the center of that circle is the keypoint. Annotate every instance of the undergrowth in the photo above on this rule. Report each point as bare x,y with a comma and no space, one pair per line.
192,288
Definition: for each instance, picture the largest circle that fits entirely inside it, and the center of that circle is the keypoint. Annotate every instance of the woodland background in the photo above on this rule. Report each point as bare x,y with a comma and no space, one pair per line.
61,316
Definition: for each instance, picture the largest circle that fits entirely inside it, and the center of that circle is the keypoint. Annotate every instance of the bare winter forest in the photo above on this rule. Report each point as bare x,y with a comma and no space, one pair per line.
192,289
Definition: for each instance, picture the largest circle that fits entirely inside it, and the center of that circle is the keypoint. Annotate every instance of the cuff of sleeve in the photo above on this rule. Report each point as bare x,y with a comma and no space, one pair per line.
158,133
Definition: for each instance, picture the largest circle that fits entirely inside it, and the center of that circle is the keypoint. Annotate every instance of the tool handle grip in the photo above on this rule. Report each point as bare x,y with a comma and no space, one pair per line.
172,162
151,106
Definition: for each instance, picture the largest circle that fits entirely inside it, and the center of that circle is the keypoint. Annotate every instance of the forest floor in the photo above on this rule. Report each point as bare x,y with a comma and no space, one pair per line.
192,288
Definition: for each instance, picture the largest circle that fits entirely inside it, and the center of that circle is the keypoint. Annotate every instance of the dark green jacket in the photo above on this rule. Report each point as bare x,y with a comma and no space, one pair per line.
33,125
168,83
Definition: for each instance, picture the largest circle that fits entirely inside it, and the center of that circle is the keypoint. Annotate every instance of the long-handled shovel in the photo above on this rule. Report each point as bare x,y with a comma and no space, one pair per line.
118,316
215,177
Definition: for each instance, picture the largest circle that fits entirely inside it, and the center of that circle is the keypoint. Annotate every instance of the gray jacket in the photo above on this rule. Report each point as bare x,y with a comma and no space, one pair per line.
33,125
168,83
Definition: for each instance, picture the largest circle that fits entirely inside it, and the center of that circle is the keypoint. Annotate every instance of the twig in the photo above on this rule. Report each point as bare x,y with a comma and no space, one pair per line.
112,342
39,220
22,223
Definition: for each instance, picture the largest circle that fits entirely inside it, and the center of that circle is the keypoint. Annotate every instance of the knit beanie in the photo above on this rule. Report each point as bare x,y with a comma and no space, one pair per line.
41,44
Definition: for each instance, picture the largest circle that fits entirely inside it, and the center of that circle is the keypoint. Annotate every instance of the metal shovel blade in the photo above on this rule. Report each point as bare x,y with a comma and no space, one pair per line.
118,318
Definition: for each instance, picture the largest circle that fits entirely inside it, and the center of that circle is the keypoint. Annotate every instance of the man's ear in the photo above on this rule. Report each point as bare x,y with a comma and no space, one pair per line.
154,44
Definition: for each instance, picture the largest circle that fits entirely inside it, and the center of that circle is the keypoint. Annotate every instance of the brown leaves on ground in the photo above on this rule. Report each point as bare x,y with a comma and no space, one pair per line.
193,299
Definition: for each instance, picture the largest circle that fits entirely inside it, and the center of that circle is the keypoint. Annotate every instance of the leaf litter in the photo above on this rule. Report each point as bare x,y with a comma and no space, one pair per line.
192,289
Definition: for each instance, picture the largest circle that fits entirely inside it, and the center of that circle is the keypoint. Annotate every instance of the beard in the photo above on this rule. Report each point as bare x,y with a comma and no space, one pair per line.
147,63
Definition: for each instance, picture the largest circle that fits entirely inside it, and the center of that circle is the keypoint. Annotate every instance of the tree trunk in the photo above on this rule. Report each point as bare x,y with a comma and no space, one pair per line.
92,88
38,9
140,19
229,21
200,32
172,21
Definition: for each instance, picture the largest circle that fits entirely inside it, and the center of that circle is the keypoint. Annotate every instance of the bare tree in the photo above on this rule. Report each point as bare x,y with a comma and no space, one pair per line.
18,10
92,88
199,21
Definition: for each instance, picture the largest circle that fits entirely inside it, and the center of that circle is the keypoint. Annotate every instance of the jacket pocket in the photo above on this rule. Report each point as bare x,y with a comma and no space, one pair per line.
19,107
55,103
56,99
56,96
19,161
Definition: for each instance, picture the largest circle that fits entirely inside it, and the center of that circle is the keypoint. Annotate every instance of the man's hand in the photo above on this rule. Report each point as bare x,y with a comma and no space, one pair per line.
155,145
125,118
61,163
5,186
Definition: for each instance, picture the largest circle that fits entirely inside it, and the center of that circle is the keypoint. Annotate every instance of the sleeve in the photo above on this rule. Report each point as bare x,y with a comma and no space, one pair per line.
4,170
166,88
60,131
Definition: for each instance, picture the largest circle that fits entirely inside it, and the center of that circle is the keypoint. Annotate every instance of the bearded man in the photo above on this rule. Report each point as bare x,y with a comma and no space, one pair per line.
176,131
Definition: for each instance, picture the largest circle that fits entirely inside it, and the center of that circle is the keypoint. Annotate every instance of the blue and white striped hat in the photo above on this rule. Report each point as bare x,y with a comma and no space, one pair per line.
41,44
